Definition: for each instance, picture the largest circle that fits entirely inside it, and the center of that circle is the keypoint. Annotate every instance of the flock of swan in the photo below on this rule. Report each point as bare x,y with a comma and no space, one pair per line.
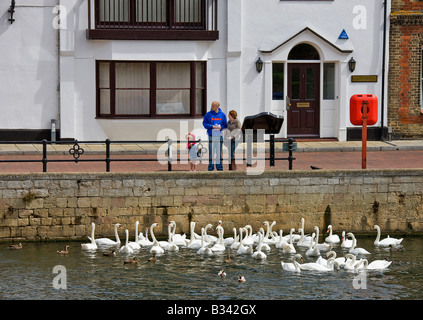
244,242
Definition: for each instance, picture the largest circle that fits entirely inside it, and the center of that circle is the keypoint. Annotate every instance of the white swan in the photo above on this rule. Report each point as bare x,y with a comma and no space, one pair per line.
331,254
282,242
353,249
264,246
387,241
145,242
92,245
135,245
228,241
268,238
208,238
350,262
178,239
249,238
126,249
304,241
193,242
314,266
172,246
312,250
374,265
110,242
156,247
204,249
289,247
332,238
259,255
219,246
243,249
346,243
293,266
321,246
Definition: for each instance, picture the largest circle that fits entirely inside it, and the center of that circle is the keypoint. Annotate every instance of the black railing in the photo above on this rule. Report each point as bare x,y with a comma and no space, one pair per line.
76,151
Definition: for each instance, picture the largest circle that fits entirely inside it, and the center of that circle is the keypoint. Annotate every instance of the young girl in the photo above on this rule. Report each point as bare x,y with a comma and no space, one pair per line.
192,151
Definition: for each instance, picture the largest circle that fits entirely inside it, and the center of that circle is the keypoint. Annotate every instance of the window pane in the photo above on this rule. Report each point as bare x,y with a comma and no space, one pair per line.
172,101
310,92
151,11
199,101
133,75
303,51
132,102
188,10
295,83
329,81
199,73
173,75
278,74
114,10
104,75
104,101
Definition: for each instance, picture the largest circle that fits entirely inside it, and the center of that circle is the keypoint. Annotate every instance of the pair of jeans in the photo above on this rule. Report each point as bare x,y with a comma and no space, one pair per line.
215,153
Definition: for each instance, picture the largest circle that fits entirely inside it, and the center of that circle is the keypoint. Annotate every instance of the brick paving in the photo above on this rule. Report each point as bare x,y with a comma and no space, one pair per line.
324,155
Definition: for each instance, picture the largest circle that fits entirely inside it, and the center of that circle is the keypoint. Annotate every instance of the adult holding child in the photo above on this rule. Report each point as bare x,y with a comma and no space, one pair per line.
215,122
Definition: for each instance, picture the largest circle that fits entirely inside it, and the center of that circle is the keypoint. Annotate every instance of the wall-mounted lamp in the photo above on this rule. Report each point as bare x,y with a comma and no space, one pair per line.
12,11
259,65
351,64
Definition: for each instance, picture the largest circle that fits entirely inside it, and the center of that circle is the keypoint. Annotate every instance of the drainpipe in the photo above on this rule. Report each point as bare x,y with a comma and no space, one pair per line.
382,135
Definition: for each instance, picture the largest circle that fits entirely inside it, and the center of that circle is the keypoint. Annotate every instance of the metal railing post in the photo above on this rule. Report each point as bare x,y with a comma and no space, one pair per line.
290,157
44,155
108,160
272,150
169,155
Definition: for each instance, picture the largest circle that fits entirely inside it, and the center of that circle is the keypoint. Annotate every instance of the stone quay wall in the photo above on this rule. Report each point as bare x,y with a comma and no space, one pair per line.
61,206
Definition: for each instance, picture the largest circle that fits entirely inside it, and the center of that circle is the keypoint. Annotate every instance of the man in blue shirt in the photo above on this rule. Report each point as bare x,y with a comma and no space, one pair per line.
215,121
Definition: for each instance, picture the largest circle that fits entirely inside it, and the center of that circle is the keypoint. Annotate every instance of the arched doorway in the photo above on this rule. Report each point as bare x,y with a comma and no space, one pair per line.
303,111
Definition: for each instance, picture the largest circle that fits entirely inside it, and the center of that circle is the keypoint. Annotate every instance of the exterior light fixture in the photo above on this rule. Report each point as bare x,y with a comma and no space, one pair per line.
259,65
12,11
351,64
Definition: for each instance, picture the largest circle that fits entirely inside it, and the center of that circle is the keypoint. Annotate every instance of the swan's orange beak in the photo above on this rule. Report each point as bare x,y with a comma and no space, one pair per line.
327,230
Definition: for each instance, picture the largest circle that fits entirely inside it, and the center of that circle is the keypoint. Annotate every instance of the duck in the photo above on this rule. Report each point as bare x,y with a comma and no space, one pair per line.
15,246
64,251
241,278
110,254
131,261
92,245
228,259
259,255
153,258
331,238
346,243
385,242
110,242
353,249
221,273
293,266
126,249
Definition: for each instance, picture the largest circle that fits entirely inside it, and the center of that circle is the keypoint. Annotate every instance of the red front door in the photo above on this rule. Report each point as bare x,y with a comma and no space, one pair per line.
303,90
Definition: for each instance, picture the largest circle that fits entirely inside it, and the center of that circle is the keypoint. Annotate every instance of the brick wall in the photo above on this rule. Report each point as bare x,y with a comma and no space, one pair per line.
62,206
405,44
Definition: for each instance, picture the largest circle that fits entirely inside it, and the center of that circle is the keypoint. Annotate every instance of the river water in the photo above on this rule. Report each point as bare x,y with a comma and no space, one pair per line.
30,273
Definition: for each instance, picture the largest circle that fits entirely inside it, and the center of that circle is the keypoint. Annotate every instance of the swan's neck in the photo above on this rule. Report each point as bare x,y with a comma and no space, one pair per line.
240,235
330,232
92,233
169,232
317,236
127,236
378,234
152,233
136,233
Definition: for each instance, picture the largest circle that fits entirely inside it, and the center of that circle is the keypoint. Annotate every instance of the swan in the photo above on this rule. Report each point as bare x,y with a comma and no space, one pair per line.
172,246
346,243
293,266
259,255
289,247
135,245
331,238
249,239
145,242
204,249
319,267
268,238
243,249
126,249
374,265
92,245
385,242
353,249
230,240
321,246
193,242
264,246
304,241
312,250
209,239
178,239
156,247
110,242
306,238
331,254
281,242
351,262
219,246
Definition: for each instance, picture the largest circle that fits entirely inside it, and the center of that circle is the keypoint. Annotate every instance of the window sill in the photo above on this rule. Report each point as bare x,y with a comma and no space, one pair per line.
119,34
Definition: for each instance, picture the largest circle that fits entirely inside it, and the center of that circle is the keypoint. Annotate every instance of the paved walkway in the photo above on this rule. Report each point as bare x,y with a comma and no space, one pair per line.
320,154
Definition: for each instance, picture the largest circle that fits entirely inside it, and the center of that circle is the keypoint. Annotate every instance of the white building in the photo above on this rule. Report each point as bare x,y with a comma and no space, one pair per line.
127,69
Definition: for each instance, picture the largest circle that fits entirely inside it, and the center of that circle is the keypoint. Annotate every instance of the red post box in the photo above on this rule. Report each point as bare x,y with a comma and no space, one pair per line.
356,109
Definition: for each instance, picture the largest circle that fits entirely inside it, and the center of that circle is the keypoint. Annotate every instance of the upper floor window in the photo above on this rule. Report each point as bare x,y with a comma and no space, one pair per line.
150,89
145,19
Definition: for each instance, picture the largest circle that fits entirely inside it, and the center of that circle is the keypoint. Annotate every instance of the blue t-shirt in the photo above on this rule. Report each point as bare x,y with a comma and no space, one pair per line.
212,119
